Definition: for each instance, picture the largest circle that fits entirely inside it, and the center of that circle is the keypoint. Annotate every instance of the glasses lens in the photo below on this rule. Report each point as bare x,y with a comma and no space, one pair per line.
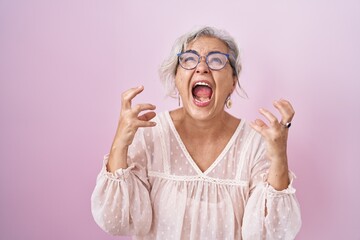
216,61
188,60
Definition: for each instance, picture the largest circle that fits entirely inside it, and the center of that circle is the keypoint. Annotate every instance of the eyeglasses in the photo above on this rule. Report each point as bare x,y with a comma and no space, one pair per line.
214,60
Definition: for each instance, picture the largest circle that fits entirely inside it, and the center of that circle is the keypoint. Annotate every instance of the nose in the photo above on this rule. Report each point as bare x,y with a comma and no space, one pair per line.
202,67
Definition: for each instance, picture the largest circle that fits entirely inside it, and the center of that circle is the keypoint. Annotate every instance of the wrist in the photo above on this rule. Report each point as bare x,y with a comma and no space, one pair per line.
117,158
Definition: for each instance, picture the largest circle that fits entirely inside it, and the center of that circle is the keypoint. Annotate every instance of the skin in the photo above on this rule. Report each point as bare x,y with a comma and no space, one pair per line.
205,131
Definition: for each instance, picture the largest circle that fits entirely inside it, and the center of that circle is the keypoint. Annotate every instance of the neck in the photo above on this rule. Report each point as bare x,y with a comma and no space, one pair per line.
204,130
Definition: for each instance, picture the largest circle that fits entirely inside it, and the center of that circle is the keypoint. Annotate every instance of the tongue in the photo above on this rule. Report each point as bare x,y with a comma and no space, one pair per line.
202,93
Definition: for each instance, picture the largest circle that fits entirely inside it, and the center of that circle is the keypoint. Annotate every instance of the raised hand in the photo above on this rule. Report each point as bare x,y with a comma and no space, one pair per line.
130,120
275,134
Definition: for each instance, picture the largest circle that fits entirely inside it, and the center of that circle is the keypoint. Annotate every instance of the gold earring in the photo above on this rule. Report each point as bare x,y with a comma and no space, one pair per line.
228,102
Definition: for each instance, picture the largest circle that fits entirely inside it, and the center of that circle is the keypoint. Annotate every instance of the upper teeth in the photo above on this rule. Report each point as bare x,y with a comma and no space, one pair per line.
202,84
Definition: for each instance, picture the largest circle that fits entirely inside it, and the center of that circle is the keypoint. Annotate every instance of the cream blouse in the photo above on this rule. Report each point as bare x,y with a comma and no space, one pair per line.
164,195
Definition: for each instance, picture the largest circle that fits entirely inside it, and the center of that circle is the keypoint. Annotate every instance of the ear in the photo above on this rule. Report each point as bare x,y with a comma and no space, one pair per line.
235,81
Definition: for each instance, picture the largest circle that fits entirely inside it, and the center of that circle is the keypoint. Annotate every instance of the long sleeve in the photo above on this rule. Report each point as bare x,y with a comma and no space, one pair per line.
120,202
269,214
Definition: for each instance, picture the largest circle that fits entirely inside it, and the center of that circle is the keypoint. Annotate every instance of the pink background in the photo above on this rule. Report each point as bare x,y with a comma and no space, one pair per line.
64,64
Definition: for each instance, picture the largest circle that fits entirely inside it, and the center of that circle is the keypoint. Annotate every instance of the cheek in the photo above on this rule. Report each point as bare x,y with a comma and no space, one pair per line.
179,82
182,78
177,78
225,80
225,87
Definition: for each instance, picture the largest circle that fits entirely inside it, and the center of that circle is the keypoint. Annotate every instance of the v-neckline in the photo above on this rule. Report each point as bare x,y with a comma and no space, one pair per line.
187,154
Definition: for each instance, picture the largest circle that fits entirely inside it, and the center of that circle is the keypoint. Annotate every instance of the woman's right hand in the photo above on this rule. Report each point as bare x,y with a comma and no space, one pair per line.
130,120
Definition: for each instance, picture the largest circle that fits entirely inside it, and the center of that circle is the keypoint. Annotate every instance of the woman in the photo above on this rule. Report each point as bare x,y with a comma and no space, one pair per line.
198,172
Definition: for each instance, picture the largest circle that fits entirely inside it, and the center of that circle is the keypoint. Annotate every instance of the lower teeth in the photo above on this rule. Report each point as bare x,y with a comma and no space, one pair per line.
202,100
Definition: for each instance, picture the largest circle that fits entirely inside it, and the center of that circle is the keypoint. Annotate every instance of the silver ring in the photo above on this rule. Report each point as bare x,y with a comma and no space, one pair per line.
286,125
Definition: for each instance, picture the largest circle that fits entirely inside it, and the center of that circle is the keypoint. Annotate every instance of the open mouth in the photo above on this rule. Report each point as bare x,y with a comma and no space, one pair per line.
202,92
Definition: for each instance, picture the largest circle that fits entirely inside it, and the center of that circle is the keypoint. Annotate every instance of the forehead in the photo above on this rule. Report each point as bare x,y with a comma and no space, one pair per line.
207,44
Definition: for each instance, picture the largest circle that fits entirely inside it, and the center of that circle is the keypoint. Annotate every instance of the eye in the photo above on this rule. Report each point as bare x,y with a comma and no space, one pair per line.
217,59
189,59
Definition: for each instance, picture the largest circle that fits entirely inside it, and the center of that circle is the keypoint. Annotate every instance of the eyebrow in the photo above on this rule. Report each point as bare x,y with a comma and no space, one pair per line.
194,51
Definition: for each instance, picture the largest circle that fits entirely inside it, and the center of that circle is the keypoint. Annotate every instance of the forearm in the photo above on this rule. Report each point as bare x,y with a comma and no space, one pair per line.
117,158
278,176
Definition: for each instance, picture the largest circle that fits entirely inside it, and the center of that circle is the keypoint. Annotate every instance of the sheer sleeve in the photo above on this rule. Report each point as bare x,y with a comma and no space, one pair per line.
120,202
269,214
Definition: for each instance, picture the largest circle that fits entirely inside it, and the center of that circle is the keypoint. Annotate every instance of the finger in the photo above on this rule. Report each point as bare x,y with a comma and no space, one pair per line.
286,110
143,107
147,116
269,116
128,95
258,123
259,126
140,123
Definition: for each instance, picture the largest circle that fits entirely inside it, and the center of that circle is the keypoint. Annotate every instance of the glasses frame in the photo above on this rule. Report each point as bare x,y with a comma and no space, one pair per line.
206,59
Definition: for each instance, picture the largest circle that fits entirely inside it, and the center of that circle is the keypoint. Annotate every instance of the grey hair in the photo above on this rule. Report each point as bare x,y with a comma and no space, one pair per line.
169,66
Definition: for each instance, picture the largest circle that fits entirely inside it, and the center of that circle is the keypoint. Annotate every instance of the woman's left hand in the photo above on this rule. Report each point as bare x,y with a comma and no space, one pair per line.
275,132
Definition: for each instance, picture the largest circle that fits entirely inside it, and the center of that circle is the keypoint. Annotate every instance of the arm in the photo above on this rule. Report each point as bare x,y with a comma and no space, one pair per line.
272,210
120,201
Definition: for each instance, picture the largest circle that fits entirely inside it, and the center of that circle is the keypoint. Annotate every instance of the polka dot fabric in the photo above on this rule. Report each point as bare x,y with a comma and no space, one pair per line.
164,195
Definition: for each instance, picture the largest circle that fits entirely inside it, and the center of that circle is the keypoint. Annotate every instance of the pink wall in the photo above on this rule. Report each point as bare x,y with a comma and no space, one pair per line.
63,65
